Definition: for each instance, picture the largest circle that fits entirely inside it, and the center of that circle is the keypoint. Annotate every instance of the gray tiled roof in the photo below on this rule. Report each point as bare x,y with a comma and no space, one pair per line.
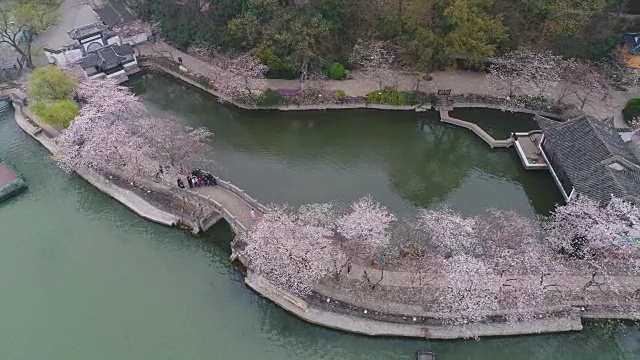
585,147
87,30
107,57
113,14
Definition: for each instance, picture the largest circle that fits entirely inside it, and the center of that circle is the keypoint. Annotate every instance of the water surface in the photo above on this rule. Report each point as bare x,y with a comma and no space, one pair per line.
81,277
403,159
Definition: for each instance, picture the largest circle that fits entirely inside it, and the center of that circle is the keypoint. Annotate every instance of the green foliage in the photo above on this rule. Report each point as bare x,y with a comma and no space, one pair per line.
271,98
426,34
432,99
21,20
59,114
279,68
340,95
337,71
49,83
394,97
631,111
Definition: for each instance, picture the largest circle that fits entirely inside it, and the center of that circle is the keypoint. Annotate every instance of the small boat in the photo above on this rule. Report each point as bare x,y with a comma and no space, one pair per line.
11,182
425,355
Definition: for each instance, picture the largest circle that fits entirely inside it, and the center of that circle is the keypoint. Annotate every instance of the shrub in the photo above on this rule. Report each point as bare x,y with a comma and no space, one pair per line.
59,114
279,68
433,99
388,96
271,98
340,95
631,111
337,71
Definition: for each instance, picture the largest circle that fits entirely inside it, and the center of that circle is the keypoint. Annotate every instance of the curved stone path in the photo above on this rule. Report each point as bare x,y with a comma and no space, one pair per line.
233,204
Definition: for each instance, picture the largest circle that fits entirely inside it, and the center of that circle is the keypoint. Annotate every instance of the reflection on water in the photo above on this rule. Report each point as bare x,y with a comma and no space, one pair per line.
81,277
405,160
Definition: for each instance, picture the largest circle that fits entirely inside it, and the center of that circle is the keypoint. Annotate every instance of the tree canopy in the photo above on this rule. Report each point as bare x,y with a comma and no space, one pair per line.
22,20
288,35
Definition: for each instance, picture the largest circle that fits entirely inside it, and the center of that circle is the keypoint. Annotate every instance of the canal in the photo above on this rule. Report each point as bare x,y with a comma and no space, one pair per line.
84,278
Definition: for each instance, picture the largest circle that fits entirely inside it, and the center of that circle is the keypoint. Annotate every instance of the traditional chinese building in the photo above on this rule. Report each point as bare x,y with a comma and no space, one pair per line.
112,61
588,157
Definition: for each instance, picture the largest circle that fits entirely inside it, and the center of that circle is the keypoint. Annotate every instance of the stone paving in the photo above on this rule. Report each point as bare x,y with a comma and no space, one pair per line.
237,207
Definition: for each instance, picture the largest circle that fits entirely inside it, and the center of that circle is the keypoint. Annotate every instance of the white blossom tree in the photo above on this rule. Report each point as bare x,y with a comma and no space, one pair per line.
584,229
251,72
290,251
114,134
524,73
238,79
375,59
469,291
509,242
586,81
367,223
448,231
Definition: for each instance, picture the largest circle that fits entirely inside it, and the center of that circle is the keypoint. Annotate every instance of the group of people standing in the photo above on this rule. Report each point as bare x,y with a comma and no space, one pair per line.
198,178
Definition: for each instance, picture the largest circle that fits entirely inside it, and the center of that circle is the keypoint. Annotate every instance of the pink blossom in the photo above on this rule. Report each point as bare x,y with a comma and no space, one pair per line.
367,223
447,230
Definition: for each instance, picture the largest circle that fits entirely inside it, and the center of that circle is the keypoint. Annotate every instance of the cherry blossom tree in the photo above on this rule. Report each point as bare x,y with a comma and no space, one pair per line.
586,81
468,291
237,79
114,134
375,59
509,242
290,251
584,229
524,73
367,223
447,231
250,73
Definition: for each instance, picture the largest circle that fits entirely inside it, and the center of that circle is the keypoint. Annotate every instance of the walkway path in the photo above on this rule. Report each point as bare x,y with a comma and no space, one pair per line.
74,13
493,143
459,81
233,204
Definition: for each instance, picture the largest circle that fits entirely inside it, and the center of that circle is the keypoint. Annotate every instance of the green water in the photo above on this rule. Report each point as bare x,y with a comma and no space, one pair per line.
405,160
82,278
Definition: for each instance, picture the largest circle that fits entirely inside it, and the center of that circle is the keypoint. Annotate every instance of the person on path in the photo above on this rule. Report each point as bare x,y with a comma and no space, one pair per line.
253,215
180,183
180,60
190,182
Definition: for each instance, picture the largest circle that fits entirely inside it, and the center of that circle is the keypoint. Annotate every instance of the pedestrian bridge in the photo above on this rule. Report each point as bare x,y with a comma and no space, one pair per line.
233,204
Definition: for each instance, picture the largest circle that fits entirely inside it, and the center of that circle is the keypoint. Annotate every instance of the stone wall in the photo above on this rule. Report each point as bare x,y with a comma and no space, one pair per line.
150,207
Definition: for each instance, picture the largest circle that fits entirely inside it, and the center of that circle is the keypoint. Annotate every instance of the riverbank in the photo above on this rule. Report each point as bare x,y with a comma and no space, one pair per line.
338,308
154,202
460,82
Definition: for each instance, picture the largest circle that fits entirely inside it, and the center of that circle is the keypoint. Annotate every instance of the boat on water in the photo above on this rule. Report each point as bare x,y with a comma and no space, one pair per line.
11,182
425,355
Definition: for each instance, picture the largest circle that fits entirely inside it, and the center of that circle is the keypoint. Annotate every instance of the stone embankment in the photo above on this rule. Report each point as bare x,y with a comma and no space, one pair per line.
150,201
148,62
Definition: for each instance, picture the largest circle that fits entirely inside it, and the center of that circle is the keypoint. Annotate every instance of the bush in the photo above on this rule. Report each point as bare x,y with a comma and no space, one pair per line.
631,111
340,95
59,115
278,68
271,98
394,97
337,71
433,99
